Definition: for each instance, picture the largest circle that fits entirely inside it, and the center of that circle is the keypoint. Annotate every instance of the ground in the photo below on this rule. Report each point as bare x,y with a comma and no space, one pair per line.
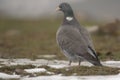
25,69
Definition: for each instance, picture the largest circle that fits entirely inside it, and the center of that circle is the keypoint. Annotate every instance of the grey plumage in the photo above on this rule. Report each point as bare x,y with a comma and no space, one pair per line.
74,40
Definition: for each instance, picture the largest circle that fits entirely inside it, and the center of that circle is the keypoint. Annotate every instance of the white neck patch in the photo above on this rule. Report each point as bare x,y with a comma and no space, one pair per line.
69,18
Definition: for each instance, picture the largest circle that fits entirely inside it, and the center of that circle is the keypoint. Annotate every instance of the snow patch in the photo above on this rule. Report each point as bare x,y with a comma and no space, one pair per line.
47,56
35,70
112,64
109,62
58,77
7,76
52,63
58,66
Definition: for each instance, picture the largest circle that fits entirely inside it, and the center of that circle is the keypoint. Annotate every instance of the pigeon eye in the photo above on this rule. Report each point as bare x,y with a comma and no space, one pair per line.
60,6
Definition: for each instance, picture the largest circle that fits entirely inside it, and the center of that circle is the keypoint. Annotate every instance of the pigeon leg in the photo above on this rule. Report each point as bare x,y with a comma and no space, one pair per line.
70,62
79,62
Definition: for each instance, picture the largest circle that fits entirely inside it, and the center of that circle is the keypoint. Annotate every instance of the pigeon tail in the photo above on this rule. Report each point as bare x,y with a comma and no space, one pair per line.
97,64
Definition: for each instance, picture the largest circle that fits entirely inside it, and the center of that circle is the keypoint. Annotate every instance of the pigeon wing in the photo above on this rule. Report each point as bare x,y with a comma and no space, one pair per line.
72,41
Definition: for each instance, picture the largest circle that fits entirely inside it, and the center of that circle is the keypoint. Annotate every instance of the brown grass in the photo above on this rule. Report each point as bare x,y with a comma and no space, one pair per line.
30,38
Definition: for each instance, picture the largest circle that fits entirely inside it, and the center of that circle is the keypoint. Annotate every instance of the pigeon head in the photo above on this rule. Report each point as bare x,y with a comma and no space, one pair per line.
66,9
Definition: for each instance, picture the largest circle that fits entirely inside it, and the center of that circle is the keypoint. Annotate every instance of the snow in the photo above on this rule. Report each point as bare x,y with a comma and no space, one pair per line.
38,70
112,64
54,64
7,76
40,62
37,62
46,56
118,62
50,72
58,66
58,77
35,70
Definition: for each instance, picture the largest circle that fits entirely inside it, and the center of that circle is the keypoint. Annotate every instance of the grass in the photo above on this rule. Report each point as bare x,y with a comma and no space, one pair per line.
30,38
12,69
33,38
107,47
83,70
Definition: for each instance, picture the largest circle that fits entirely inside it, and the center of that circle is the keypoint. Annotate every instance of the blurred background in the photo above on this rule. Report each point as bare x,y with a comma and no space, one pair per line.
28,27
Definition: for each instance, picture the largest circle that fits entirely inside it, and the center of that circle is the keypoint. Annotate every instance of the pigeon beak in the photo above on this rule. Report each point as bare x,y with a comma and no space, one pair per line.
58,9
